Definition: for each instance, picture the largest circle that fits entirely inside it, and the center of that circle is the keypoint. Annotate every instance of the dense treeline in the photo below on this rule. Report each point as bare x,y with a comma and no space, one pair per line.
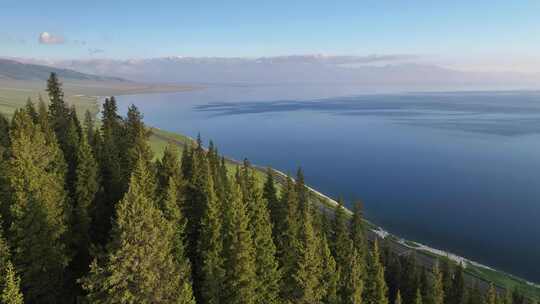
89,216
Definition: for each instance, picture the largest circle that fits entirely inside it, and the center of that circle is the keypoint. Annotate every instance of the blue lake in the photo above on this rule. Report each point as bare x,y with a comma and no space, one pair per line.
457,171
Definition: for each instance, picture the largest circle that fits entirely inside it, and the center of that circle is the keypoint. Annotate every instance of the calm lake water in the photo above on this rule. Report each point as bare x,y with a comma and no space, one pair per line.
457,171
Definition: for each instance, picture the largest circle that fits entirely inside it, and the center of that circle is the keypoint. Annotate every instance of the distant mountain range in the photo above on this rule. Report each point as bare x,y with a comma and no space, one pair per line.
14,70
392,70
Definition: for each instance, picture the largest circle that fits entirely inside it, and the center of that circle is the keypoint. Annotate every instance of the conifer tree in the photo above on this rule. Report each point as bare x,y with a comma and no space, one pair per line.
110,156
418,297
358,233
491,295
475,295
43,120
353,284
139,266
173,213
306,284
38,212
4,154
268,275
287,238
5,258
4,132
436,289
136,141
287,220
347,258
341,243
186,163
329,274
270,194
89,127
410,280
517,297
393,273
424,284
86,187
31,110
457,291
398,298
70,149
111,174
58,110
508,296
301,189
11,292
376,290
209,263
447,275
241,280
169,167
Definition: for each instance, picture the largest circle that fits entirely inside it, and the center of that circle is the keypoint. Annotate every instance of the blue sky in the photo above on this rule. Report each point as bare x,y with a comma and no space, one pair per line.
451,30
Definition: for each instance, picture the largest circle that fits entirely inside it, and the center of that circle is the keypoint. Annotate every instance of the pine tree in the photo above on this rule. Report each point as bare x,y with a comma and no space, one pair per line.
268,275
86,187
70,147
393,273
110,168
418,297
457,291
398,298
271,196
173,213
209,267
301,189
11,292
306,287
287,238
475,295
358,233
136,141
43,120
329,274
447,275
353,284
205,224
241,280
517,297
347,258
410,280
376,290
4,133
139,266
5,258
4,155
38,212
341,243
436,289
89,127
491,295
58,111
508,296
169,167
31,110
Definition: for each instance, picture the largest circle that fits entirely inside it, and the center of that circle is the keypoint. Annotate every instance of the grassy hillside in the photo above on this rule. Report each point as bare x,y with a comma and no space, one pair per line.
82,94
13,94
10,69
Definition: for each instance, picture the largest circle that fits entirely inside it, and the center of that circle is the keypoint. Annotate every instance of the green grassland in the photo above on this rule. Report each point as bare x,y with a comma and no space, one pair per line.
84,96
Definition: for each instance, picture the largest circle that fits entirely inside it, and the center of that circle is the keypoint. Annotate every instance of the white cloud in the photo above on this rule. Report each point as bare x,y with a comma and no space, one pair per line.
48,38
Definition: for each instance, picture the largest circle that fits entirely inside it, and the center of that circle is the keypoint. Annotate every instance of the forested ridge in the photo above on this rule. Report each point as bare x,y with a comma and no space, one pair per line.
88,215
